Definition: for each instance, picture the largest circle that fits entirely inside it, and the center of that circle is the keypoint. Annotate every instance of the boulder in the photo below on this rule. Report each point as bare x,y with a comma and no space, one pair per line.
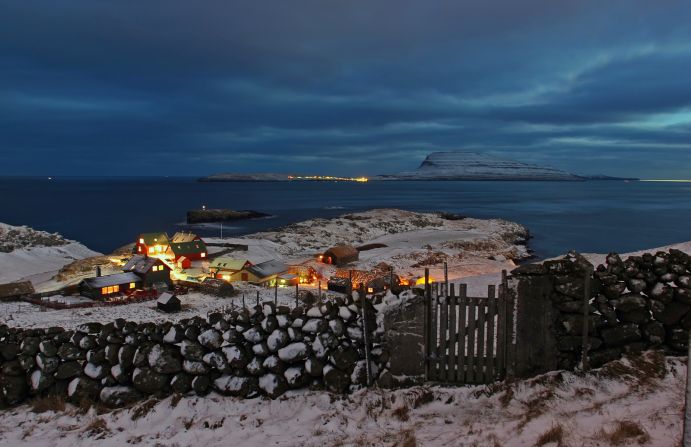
210,339
235,386
255,367
613,291
215,360
335,380
677,339
94,371
662,292
47,364
630,302
315,325
14,389
573,288
634,316
572,324
235,356
165,359
195,368
126,355
294,352
119,374
273,364
40,381
296,377
253,335
617,336
344,357
201,384
48,348
682,295
148,381
11,368
8,351
673,313
181,383
277,339
314,367
191,350
273,385
174,335
654,332
29,345
83,389
119,396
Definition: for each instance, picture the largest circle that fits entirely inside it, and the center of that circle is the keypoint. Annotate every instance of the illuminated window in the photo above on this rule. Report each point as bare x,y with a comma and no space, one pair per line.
132,285
151,249
226,277
203,255
139,249
116,289
141,241
159,248
104,291
370,290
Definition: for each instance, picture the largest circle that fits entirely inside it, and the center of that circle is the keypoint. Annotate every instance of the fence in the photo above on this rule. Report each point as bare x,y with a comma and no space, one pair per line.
467,339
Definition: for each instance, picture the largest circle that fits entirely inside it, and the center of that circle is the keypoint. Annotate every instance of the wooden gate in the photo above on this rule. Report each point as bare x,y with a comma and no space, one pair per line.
468,339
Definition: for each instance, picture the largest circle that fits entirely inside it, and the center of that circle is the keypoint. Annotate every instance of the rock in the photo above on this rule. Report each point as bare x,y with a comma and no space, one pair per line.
359,374
315,325
662,292
295,377
654,332
8,351
354,333
201,384
165,359
235,386
572,343
682,295
613,291
529,269
295,334
346,314
294,352
11,368
119,374
344,358
111,353
194,368
621,335
174,335
96,356
181,383
48,348
253,335
29,345
118,396
148,381
269,324
672,313
599,358
215,360
89,328
678,338
571,306
95,372
88,342
385,380
41,381
210,339
192,350
314,367
26,361
277,340
573,288
126,356
255,367
572,324
335,380
630,302
81,389
635,316
636,285
235,356
684,281
47,364
337,327
273,385
14,389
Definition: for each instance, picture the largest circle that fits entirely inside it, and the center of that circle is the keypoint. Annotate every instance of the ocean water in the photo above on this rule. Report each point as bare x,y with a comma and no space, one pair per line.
595,216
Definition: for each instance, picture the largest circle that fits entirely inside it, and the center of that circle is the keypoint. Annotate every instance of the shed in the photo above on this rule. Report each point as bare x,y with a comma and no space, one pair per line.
15,290
168,302
101,287
340,255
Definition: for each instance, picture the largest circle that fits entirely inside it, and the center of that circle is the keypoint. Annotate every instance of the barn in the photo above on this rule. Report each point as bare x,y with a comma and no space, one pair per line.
340,255
101,287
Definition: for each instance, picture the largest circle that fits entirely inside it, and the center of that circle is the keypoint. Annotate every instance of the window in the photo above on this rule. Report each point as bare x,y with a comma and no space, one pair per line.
141,241
151,250
116,289
104,291
139,249
133,285
159,248
203,255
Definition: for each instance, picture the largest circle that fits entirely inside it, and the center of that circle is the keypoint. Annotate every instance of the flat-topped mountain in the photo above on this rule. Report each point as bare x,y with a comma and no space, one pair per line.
461,165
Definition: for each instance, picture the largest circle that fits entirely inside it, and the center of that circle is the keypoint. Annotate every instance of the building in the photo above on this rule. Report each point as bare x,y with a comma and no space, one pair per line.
15,290
168,302
191,250
182,236
230,269
101,287
151,270
154,244
340,255
270,273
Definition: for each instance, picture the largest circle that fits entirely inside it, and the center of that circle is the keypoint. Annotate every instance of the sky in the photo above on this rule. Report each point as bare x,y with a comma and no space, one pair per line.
149,87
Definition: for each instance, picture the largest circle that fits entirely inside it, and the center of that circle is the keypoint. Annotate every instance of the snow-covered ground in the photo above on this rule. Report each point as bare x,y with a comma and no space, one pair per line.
628,402
35,255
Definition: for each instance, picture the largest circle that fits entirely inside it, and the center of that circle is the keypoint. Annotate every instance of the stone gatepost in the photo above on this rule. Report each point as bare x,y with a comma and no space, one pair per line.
404,338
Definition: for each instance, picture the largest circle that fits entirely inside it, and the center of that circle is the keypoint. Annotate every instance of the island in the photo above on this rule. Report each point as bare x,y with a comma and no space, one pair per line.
208,215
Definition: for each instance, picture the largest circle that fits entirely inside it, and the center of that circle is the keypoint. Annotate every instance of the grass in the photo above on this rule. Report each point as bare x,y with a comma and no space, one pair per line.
535,407
97,428
401,413
623,432
48,403
143,409
554,434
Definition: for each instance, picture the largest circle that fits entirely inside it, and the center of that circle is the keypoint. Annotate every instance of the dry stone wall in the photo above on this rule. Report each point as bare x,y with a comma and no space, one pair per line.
637,303
265,350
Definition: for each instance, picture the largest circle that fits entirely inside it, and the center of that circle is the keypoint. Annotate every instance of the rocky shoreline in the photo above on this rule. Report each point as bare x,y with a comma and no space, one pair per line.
221,215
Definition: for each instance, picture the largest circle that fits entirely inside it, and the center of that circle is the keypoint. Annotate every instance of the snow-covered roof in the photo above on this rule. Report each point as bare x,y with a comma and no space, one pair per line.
140,264
268,268
111,280
167,298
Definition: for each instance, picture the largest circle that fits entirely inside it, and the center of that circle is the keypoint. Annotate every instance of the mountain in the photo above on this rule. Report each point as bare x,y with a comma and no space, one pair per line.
460,165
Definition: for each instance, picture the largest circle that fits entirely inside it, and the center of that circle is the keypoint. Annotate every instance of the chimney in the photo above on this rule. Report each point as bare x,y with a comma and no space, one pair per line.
98,270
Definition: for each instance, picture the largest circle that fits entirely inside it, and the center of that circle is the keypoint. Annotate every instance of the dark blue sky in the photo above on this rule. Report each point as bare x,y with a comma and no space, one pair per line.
343,87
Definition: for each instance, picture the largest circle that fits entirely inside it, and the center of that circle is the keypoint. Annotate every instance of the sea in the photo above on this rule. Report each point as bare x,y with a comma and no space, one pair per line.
591,216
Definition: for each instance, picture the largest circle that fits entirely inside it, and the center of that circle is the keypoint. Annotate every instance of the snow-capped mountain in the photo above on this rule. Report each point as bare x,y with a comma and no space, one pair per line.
461,165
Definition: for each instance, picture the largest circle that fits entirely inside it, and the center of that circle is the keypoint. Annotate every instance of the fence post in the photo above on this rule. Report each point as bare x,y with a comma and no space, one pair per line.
428,323
585,363
257,299
446,279
276,292
365,334
297,295
243,301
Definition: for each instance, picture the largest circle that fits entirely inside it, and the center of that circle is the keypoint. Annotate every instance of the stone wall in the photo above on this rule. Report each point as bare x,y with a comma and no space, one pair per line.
264,350
634,304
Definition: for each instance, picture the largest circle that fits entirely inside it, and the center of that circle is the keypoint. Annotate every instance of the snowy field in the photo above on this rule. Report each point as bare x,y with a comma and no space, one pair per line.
628,402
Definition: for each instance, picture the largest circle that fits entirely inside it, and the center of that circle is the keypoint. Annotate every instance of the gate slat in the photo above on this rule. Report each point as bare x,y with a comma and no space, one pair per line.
481,349
501,332
462,335
453,334
443,323
491,336
470,353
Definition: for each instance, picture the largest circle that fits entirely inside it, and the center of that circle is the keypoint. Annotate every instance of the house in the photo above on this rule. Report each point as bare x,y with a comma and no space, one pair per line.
168,302
230,269
306,274
155,244
182,236
101,287
340,255
270,273
151,270
15,290
191,250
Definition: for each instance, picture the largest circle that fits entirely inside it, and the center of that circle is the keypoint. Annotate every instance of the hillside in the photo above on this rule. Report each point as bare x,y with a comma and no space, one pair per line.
460,165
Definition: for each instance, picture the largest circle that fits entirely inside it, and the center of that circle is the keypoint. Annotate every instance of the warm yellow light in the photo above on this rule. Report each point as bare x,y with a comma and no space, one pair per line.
141,241
151,249
370,290
421,281
226,277
132,285
203,255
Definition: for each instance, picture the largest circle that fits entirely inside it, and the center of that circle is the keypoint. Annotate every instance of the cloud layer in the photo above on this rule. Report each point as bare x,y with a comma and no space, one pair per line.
359,87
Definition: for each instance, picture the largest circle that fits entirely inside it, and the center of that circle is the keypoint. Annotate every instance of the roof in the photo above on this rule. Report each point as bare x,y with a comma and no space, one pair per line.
268,268
181,236
341,251
16,289
229,264
154,238
111,280
167,297
141,264
184,248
